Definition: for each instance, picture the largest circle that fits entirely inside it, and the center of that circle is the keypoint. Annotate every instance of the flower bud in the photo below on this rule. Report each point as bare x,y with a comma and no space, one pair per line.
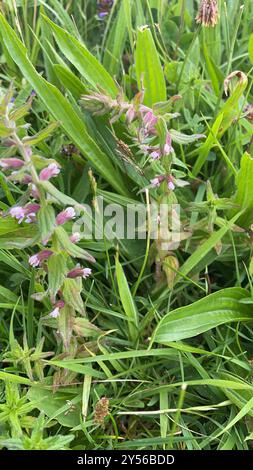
208,13
50,172
65,215
79,272
36,259
11,163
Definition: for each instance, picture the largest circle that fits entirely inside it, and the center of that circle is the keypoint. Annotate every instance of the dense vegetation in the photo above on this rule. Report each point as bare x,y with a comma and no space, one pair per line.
109,342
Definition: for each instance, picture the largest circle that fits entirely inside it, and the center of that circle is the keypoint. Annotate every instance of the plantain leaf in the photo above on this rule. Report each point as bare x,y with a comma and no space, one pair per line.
148,68
70,81
216,309
88,66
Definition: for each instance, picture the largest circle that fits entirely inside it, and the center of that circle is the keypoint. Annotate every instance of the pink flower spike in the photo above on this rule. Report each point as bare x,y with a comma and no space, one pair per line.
11,163
65,215
18,213
50,172
79,272
75,238
171,185
35,260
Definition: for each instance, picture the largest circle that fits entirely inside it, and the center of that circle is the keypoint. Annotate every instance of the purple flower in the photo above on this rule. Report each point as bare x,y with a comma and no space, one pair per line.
27,212
11,163
50,172
171,184
79,272
27,179
36,260
156,154
30,212
155,182
18,213
104,7
65,215
56,311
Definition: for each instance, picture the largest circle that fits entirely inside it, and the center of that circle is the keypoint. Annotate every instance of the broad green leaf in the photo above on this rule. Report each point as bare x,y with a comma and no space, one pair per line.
244,194
70,81
57,270
73,250
127,301
216,309
88,66
46,221
148,68
184,139
71,294
61,109
54,405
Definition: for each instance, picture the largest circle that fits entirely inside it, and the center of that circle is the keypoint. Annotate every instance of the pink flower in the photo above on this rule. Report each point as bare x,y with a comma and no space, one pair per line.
35,260
27,179
79,272
171,184
30,212
18,213
65,215
56,311
155,155
34,192
75,238
167,149
11,163
150,119
51,171
130,114
155,182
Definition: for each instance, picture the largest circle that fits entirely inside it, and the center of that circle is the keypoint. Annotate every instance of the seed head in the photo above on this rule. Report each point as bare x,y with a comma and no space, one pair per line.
208,13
